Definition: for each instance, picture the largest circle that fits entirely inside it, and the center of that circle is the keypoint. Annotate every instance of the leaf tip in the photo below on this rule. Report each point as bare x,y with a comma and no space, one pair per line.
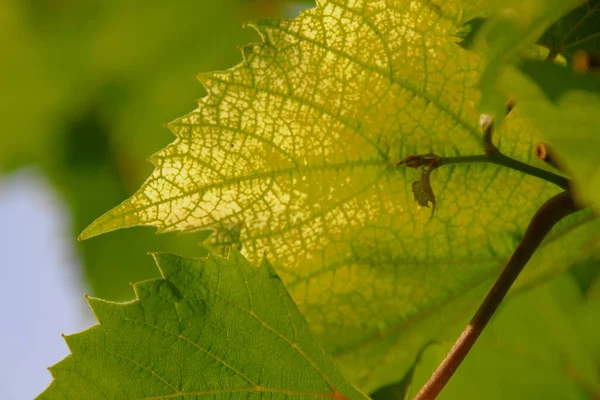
168,264
102,309
84,235
256,25
96,228
203,78
125,215
268,267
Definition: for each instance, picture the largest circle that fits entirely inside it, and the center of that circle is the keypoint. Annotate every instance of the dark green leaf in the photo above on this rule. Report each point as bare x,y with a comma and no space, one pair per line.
210,327
578,30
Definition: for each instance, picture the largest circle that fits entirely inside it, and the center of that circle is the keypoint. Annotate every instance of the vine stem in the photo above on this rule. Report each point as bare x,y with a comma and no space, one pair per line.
495,157
542,222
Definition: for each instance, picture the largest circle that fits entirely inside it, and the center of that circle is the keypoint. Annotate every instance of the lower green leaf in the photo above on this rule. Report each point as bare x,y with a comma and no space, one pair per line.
210,327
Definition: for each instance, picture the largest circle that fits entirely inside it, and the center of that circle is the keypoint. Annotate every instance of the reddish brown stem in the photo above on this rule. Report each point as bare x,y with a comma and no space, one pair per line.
542,222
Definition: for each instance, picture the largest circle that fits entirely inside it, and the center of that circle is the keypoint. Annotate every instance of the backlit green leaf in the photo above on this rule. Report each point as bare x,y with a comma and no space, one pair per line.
209,327
293,155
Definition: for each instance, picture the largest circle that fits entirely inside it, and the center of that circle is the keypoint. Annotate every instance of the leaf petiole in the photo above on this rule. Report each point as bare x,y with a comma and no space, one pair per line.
492,155
429,162
495,157
553,211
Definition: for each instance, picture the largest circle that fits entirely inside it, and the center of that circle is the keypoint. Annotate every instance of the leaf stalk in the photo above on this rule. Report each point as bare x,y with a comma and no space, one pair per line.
554,210
495,157
492,155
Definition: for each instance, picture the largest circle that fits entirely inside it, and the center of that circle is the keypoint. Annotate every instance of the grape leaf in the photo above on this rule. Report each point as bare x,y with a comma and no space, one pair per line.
468,32
293,153
210,326
512,28
564,106
578,30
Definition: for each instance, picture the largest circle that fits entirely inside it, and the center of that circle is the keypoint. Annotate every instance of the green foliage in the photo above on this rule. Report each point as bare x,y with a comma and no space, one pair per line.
561,103
542,344
209,327
512,29
294,156
296,148
564,106
577,30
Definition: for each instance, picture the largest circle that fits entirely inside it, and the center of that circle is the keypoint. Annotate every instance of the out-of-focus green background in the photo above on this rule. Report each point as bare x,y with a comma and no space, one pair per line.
85,86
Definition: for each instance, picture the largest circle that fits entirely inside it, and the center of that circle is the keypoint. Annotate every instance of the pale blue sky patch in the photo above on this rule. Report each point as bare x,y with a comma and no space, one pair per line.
41,295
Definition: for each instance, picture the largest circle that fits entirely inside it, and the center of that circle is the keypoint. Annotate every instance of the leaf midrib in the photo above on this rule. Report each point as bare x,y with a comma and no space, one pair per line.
89,231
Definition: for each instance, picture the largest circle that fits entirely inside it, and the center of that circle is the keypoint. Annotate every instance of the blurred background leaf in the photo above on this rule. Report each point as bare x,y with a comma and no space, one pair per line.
542,344
575,31
563,105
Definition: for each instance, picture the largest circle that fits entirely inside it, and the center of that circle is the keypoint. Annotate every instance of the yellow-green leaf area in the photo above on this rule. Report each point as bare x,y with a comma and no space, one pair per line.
292,155
210,327
340,93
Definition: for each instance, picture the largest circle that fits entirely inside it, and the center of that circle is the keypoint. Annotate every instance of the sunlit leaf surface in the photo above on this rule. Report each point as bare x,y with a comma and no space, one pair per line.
292,155
210,327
